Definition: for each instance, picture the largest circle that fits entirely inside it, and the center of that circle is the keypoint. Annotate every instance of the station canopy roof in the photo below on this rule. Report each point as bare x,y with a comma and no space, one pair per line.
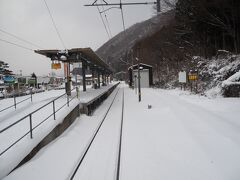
77,55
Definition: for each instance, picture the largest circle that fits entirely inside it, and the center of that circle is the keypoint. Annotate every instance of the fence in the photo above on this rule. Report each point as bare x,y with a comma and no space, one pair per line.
15,103
30,118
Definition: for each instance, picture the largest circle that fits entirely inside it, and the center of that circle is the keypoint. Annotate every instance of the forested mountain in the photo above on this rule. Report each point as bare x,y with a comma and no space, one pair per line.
209,24
171,41
121,45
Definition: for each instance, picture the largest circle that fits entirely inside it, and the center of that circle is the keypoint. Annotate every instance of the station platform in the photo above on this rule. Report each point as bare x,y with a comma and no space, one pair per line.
85,103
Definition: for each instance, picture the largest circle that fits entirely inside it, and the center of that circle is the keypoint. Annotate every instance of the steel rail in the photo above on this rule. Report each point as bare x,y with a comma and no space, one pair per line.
93,138
120,142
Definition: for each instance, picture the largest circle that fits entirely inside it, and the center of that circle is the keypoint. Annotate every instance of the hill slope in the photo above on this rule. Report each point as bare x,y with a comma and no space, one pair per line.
121,44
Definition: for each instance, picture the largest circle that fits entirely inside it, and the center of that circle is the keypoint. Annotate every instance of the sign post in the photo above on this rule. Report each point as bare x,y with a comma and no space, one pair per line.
182,78
193,78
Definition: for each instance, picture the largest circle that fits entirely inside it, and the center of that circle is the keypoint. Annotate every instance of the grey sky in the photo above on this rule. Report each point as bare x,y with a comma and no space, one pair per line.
79,26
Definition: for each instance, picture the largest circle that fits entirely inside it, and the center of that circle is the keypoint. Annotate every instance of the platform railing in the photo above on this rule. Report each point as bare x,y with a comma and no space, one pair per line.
30,117
15,103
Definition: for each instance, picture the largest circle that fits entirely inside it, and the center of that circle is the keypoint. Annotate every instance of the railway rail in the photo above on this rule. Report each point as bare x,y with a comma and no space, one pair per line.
101,125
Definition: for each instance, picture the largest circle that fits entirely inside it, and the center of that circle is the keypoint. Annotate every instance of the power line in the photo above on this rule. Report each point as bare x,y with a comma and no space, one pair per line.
108,25
21,39
16,45
122,17
103,22
54,24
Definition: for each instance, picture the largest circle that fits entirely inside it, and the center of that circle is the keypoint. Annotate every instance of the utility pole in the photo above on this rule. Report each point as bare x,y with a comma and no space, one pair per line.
139,85
139,77
133,85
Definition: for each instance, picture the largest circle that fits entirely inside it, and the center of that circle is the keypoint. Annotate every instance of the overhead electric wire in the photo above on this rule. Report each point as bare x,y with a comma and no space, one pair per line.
108,25
122,17
110,32
16,45
103,22
54,24
21,39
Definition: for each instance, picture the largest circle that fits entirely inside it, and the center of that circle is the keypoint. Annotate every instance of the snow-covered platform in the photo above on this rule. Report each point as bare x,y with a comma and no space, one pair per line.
91,99
11,158
181,137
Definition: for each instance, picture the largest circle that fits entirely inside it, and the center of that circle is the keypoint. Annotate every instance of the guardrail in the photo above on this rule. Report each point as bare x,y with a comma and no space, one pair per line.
30,117
15,103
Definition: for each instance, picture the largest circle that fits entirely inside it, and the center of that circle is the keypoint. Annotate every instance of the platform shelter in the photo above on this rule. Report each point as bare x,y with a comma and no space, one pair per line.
86,56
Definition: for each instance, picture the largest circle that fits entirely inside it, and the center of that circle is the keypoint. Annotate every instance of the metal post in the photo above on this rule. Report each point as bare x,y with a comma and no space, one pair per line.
54,112
30,118
135,83
132,72
15,104
84,75
68,100
139,85
102,79
98,79
68,80
77,89
31,95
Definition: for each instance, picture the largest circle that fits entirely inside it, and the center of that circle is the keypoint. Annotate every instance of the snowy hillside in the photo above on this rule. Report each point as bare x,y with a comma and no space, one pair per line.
124,41
220,75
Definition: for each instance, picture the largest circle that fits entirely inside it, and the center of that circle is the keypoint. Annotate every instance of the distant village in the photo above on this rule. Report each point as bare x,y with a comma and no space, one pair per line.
18,85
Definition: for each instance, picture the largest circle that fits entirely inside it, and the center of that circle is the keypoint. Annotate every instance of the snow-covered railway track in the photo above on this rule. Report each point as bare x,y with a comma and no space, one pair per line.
100,154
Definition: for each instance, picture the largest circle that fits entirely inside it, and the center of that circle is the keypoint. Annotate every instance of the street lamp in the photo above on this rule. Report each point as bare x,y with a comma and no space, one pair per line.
139,85
63,56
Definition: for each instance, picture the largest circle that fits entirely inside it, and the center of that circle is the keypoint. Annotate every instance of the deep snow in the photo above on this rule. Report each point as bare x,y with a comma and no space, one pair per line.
13,157
182,137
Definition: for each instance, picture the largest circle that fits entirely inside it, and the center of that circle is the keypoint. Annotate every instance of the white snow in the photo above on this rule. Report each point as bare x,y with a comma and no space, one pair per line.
181,137
14,156
234,79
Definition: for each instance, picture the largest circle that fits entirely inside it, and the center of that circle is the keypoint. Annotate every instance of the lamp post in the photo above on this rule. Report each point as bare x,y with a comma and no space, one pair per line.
139,82
63,56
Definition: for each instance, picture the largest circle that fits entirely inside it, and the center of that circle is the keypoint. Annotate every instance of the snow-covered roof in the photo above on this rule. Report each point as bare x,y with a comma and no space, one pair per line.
140,65
234,79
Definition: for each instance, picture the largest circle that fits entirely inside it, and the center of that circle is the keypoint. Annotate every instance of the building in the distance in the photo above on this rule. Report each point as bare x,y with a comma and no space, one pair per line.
146,75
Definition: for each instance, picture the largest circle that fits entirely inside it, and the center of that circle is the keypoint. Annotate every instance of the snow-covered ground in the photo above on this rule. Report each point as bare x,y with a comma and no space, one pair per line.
181,137
13,156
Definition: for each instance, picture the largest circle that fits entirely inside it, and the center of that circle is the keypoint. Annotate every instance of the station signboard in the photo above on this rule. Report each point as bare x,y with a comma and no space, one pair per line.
56,65
182,77
193,76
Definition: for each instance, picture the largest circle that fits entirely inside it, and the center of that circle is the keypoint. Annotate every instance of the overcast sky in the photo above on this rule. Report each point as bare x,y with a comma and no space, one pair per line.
79,27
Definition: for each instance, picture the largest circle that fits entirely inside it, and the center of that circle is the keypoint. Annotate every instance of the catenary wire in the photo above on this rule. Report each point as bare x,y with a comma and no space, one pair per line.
108,25
54,24
8,42
103,22
21,39
122,16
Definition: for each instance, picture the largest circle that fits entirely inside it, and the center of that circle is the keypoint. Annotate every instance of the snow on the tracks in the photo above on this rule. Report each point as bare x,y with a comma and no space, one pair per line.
181,137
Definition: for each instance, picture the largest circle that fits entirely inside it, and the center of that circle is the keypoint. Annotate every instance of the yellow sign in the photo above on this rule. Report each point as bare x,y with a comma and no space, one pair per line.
192,77
56,65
